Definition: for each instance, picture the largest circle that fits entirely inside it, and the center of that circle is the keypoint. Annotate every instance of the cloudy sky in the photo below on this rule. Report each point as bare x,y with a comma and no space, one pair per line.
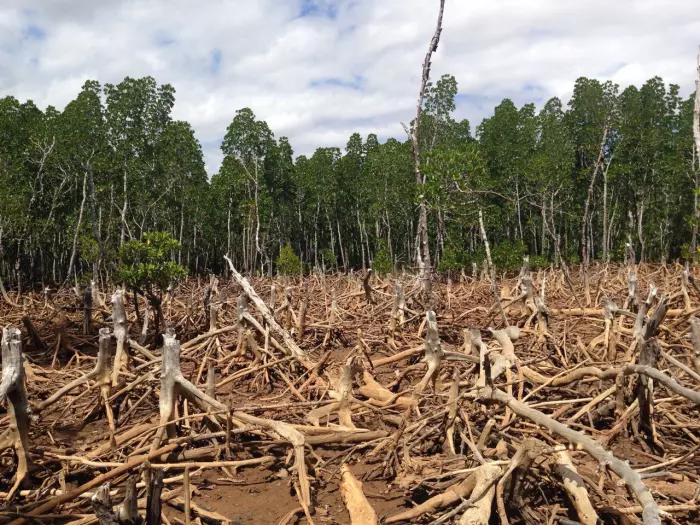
318,70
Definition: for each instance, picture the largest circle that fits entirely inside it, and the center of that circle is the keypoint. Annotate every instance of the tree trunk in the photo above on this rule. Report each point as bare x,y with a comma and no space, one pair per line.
77,231
696,136
93,214
420,178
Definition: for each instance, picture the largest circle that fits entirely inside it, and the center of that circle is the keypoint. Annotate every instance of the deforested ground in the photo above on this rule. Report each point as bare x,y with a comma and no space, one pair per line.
338,399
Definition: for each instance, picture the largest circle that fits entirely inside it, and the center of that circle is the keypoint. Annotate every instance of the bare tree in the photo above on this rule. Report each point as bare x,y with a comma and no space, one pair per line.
423,248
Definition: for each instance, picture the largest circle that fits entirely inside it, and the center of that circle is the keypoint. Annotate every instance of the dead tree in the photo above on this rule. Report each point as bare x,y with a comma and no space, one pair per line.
87,310
119,327
301,321
535,303
648,356
576,489
126,514
275,328
424,257
153,503
353,367
361,512
433,353
37,343
367,287
651,513
397,317
101,377
173,384
12,388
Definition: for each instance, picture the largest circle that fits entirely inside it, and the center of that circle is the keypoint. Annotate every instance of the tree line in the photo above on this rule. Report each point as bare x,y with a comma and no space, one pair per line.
579,181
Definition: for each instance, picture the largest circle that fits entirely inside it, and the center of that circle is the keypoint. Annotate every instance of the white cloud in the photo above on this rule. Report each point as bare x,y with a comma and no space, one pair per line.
350,65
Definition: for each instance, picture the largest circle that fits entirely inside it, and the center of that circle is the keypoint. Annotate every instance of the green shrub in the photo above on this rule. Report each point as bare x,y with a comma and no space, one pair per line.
539,261
382,264
328,258
144,265
508,255
451,261
89,249
288,262
145,269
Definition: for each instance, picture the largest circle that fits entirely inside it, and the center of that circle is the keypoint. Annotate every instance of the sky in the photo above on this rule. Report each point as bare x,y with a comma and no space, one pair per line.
319,70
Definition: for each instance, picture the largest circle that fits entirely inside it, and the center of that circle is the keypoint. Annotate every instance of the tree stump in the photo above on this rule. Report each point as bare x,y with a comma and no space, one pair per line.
12,388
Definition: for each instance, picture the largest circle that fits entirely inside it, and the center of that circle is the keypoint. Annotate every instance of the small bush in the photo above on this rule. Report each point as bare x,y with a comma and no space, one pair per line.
451,261
288,262
539,261
508,255
144,264
382,265
328,258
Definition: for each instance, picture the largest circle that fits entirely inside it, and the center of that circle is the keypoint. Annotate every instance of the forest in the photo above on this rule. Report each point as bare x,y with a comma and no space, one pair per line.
584,179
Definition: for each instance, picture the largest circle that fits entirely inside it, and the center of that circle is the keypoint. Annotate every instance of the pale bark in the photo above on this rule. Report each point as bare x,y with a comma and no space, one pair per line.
420,178
576,489
119,328
12,388
265,312
361,512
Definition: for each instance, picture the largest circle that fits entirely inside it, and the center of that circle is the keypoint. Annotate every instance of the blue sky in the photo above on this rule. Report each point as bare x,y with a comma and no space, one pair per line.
317,71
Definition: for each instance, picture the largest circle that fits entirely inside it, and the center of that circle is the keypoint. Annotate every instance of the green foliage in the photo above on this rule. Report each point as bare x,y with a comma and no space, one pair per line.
328,257
508,255
288,262
451,260
114,163
539,261
89,249
144,263
382,265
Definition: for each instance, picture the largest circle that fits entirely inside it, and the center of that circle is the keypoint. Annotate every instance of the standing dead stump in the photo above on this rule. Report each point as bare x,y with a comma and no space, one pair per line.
173,384
535,304
367,287
12,388
433,354
87,310
119,324
37,343
153,502
101,377
126,514
648,356
301,321
397,318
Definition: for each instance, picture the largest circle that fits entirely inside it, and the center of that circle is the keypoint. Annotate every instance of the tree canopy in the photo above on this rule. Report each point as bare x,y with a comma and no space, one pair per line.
581,179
